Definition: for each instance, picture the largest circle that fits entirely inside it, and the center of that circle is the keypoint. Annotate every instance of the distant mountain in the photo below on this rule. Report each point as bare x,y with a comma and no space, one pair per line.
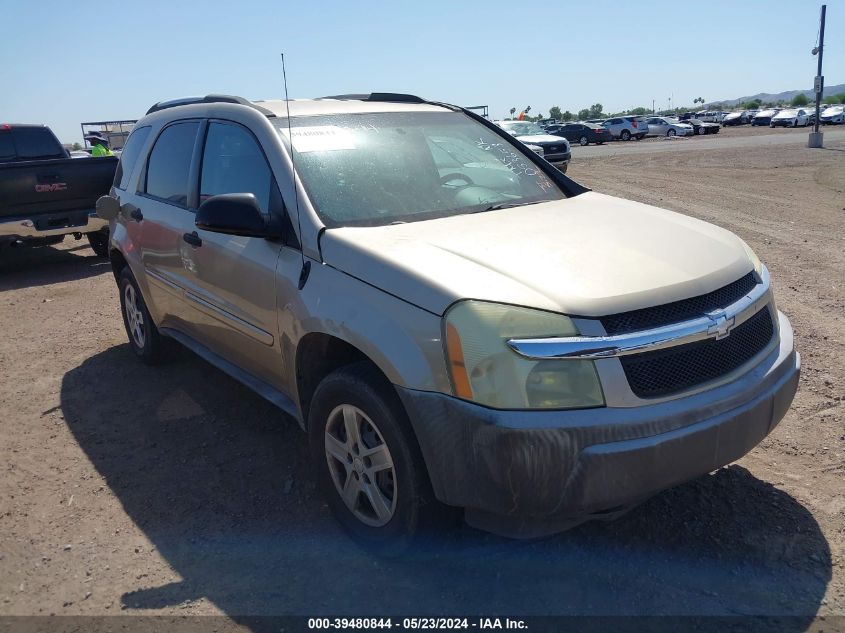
782,96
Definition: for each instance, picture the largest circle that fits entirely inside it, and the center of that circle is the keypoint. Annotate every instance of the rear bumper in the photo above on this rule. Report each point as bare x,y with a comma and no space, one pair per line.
49,224
530,473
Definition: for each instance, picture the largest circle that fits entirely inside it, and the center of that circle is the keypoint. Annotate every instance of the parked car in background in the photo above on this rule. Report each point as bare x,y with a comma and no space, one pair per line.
791,118
739,117
581,133
832,115
764,117
668,126
711,116
703,127
556,150
474,329
45,194
625,128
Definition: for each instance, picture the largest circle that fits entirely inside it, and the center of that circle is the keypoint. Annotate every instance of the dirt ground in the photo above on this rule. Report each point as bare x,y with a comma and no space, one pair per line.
174,490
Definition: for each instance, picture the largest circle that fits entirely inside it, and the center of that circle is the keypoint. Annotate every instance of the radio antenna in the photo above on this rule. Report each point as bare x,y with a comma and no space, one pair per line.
306,265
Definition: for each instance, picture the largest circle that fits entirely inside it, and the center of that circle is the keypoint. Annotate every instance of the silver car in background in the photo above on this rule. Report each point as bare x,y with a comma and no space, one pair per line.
668,126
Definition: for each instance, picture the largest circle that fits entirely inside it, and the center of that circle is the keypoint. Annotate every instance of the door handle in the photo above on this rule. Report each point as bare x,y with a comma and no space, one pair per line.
193,239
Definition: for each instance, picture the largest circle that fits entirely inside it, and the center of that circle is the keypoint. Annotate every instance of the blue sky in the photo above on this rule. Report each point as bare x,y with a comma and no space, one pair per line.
59,71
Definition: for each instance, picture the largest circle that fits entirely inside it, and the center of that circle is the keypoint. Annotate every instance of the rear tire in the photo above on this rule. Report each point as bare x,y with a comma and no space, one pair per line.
361,442
144,337
583,141
99,242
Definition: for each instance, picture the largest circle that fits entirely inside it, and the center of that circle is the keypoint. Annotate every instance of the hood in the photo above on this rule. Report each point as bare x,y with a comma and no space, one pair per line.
786,114
733,115
765,113
589,255
541,139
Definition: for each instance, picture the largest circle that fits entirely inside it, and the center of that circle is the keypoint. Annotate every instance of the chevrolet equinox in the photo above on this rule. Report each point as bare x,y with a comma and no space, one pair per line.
451,320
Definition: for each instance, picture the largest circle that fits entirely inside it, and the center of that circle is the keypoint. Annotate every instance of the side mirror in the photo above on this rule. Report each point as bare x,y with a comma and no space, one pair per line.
107,208
234,214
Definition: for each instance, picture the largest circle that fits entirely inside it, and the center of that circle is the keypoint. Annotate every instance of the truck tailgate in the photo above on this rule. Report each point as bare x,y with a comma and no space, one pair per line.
31,188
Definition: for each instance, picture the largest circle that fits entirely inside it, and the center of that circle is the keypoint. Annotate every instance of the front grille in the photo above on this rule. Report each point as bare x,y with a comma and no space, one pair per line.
555,149
662,372
647,318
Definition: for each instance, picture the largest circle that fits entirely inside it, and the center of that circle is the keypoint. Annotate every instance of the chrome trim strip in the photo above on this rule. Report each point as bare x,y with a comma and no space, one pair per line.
714,325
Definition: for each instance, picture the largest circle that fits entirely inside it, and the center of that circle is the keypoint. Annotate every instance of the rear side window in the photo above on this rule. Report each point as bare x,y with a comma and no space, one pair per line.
170,163
233,162
129,156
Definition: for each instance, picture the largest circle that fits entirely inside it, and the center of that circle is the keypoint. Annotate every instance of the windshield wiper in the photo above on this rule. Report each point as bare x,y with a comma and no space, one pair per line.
504,205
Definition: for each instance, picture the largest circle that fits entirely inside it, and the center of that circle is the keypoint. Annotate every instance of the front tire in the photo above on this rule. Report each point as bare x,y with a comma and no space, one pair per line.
144,337
583,141
625,135
367,460
671,132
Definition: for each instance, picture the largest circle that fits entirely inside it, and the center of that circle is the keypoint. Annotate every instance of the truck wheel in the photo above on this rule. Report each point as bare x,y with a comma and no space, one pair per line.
99,243
625,135
563,167
367,460
144,337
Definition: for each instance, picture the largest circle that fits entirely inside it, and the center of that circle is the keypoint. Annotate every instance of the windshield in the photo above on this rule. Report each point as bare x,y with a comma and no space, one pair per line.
522,128
382,168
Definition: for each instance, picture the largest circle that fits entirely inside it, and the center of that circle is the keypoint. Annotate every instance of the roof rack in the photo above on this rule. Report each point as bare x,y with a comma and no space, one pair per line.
213,98
392,97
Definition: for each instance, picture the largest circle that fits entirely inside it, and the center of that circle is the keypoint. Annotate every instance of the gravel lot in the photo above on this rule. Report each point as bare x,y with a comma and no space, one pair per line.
174,490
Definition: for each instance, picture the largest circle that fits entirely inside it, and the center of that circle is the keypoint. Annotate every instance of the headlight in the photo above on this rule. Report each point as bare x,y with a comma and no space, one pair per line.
755,261
485,370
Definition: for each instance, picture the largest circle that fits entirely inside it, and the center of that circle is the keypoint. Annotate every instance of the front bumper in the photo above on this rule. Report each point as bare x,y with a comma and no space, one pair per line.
559,158
782,123
49,224
531,473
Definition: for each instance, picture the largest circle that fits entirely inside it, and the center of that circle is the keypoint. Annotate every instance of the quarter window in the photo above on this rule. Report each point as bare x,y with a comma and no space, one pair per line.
170,163
129,156
232,162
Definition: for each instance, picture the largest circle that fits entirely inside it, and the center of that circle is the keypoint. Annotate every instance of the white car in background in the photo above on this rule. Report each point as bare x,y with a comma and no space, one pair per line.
791,118
668,126
833,115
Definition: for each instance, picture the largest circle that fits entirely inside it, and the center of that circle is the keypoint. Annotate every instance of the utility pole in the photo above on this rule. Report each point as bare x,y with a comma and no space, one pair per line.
816,138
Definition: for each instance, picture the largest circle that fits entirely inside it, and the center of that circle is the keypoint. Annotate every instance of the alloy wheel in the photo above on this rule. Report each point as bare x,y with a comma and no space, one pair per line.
361,465
134,316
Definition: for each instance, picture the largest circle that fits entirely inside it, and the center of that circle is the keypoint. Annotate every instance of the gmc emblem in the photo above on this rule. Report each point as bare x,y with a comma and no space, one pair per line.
56,186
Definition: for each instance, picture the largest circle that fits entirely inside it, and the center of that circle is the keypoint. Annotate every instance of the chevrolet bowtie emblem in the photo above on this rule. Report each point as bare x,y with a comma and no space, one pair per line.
721,326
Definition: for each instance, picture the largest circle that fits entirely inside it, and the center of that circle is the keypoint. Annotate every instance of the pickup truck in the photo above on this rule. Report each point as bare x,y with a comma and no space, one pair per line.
45,194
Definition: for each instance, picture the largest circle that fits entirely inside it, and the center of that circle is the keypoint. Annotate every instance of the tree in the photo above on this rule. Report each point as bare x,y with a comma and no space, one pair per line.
77,147
754,104
583,115
567,116
698,100
639,111
596,110
800,100
554,113
513,111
